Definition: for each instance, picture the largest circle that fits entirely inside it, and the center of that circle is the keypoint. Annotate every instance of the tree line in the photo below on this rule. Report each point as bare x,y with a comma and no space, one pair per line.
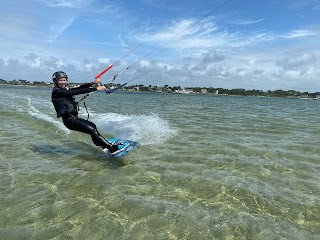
177,89
224,91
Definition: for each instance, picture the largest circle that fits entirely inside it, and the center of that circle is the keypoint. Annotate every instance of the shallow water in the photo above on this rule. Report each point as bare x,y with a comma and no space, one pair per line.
209,167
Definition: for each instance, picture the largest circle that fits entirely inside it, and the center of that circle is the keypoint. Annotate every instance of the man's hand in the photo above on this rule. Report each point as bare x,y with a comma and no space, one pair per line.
97,80
101,88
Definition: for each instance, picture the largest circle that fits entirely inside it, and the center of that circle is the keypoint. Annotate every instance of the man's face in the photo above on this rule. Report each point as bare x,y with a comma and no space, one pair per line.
62,82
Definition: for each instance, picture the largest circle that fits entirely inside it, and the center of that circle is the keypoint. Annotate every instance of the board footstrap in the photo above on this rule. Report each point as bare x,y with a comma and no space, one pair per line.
121,146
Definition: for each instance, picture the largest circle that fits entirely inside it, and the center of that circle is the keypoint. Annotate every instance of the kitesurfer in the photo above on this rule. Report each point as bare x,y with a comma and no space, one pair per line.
66,107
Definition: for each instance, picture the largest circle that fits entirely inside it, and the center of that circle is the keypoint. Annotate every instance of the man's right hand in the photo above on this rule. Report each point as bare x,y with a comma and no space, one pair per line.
101,88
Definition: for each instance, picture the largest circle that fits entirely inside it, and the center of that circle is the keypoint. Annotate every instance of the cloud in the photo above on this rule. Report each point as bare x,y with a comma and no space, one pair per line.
195,39
176,28
246,22
211,57
66,3
297,62
185,31
299,33
57,29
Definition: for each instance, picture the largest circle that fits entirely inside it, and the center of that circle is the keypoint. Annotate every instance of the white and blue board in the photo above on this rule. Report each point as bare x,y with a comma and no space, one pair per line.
125,146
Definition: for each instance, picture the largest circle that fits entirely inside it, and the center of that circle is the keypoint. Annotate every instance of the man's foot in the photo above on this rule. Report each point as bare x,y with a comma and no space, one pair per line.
117,148
114,148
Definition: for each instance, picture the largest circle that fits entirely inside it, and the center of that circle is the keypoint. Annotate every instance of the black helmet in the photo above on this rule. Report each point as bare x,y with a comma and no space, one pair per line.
57,75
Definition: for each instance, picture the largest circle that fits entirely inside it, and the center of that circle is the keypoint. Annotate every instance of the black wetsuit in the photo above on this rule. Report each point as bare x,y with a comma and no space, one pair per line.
66,107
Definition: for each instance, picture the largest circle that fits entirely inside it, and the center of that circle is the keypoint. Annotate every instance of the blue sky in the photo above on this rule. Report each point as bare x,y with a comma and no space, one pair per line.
251,44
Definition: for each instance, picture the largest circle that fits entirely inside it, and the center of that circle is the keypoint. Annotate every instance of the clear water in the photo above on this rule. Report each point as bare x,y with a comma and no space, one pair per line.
209,167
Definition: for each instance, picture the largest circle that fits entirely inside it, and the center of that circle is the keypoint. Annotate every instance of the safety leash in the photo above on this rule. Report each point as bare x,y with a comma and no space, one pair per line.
84,104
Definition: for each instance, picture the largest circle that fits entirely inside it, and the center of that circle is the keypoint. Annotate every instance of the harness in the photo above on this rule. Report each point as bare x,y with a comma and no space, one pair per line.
64,105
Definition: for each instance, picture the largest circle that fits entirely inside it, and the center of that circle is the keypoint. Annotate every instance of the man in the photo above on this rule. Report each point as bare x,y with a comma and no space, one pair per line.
67,108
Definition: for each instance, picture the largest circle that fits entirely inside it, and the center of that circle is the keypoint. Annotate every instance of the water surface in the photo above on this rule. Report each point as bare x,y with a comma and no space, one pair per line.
209,167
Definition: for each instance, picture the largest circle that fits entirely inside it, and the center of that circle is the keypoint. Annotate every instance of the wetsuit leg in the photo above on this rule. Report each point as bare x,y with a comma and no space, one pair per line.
85,126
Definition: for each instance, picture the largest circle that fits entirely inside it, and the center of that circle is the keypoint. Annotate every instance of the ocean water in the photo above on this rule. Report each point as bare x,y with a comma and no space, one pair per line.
208,167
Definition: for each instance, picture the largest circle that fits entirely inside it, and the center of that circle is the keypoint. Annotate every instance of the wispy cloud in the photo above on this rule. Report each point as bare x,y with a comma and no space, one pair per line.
299,34
184,31
181,28
58,29
246,22
66,3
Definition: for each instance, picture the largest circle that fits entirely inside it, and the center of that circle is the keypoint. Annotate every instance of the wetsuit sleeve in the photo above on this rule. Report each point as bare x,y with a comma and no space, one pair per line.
74,91
87,85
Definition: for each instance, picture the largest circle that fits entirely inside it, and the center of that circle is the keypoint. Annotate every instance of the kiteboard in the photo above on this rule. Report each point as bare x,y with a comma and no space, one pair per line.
125,146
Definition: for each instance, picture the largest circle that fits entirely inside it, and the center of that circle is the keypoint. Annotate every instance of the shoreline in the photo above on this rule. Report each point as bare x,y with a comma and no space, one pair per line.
166,92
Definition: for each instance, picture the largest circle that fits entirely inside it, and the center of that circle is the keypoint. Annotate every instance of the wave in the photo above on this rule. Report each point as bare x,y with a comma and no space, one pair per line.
33,111
146,129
